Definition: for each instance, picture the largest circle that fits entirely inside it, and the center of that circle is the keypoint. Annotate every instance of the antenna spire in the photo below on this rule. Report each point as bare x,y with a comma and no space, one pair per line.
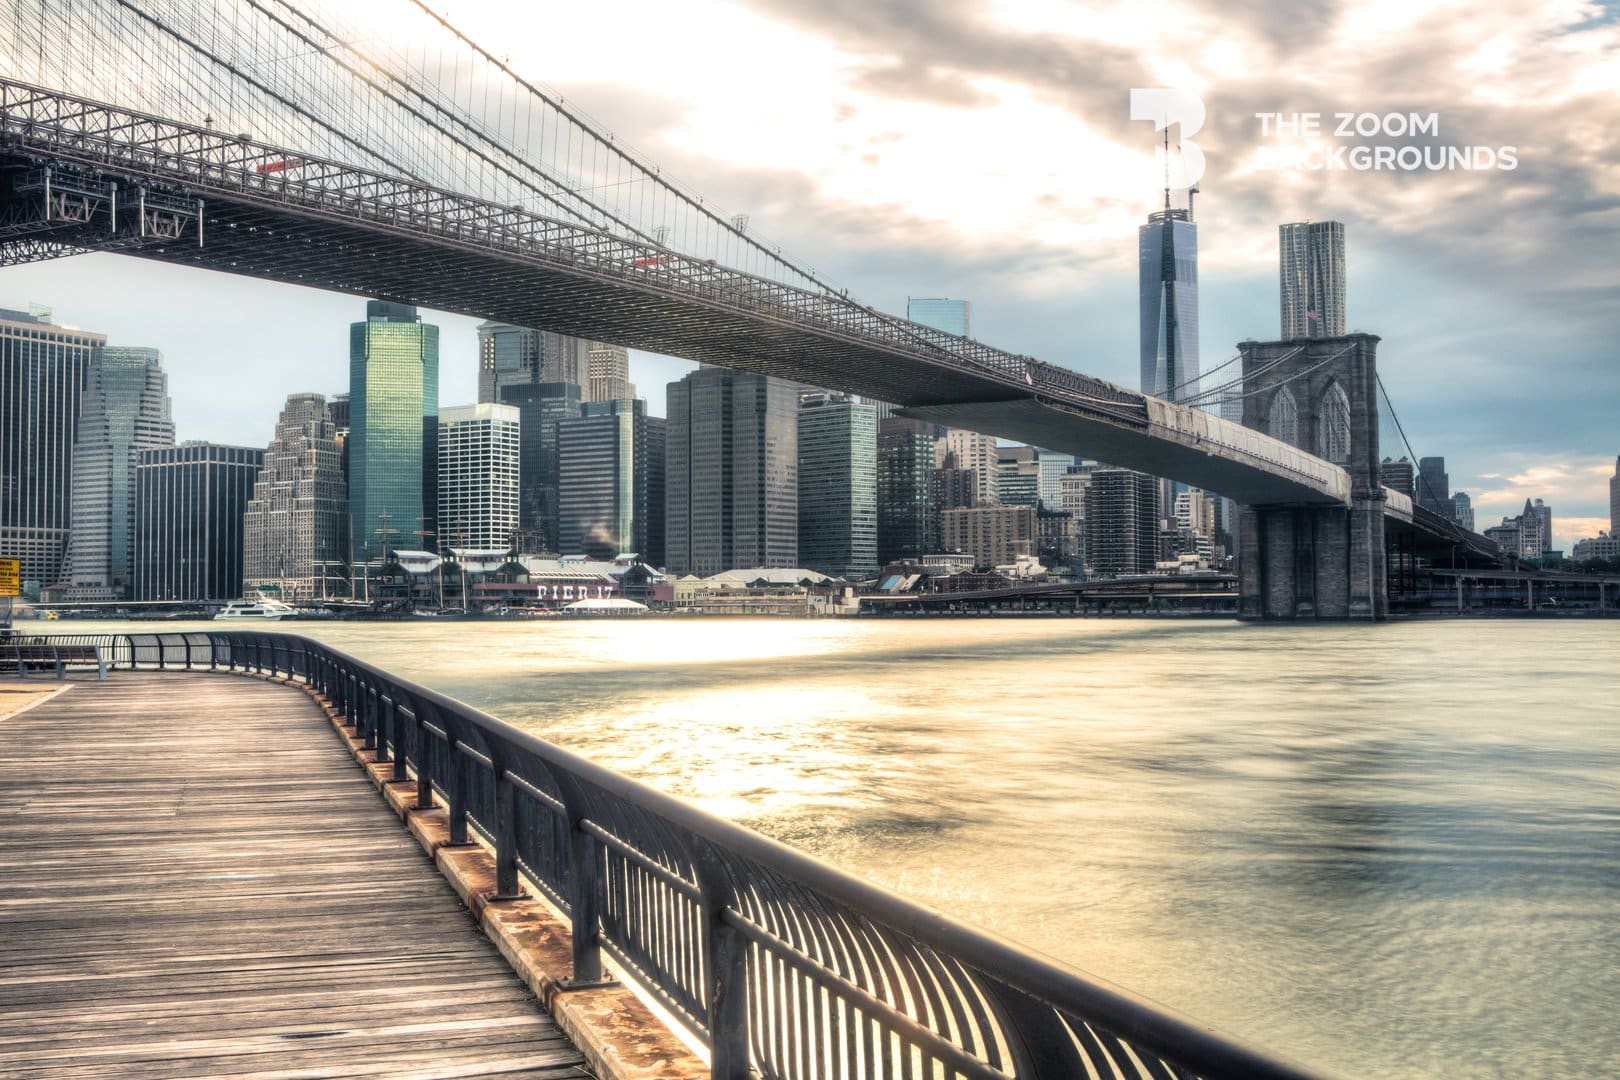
1167,166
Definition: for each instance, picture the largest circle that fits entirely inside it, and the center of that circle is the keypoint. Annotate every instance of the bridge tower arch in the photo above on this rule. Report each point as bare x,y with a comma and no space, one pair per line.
1299,561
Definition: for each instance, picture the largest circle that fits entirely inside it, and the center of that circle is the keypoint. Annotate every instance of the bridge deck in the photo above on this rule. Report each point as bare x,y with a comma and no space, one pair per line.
196,881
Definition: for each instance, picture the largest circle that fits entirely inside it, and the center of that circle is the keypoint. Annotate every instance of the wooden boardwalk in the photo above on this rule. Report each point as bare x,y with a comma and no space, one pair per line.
195,880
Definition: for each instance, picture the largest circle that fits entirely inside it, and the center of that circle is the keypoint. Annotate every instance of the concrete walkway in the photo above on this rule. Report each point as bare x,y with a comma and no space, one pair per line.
196,880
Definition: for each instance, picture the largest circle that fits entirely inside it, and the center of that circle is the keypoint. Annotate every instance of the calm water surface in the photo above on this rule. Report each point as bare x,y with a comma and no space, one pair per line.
1386,851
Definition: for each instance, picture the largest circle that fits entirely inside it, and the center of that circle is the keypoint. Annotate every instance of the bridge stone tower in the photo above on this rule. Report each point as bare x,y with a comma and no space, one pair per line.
1303,561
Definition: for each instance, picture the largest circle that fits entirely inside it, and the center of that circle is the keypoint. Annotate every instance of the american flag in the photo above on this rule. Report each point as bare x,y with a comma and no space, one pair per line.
1310,313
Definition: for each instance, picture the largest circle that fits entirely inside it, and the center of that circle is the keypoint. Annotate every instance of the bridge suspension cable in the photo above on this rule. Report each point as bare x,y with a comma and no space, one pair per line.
1207,397
1401,430
403,88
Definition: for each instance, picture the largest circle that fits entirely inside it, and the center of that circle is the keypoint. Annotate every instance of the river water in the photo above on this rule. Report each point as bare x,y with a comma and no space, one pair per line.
1383,851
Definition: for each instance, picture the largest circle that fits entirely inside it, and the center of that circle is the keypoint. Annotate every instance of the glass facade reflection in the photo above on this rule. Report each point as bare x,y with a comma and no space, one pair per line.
190,505
44,370
837,486
126,410
951,316
540,407
393,433
1167,250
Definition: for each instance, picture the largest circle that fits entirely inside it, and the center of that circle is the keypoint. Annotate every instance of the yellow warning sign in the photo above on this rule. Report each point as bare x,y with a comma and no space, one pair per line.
10,577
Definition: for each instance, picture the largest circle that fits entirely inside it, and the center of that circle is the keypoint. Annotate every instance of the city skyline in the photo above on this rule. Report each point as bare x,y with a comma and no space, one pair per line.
1044,248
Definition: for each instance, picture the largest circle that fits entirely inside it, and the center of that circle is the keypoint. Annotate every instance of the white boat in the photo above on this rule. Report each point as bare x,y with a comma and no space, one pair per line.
271,610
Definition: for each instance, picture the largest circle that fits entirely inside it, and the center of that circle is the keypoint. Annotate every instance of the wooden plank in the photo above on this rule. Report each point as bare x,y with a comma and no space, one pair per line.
196,880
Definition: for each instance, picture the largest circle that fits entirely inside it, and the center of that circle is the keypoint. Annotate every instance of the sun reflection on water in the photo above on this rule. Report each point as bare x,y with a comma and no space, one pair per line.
1385,851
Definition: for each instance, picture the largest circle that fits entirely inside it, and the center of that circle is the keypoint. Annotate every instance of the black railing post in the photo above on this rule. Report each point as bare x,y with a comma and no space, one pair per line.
187,639
385,726
424,771
396,736
460,767
584,901
725,956
506,871
373,715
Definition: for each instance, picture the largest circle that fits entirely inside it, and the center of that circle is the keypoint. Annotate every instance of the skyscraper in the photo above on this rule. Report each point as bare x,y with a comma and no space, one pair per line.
1018,480
1614,499
478,476
1433,490
609,372
732,469
1121,526
393,435
540,406
1051,467
295,526
971,450
44,369
515,354
610,476
1543,515
1310,256
906,519
837,486
1397,475
126,410
190,502
951,316
1167,277
1462,510
337,407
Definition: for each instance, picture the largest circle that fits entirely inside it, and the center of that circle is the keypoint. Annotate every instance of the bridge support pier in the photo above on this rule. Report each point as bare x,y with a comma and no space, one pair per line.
1316,561
1313,562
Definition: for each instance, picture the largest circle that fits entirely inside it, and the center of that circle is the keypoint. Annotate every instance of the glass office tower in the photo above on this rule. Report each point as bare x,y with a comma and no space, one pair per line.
44,370
1167,255
838,486
540,407
190,507
951,316
393,432
126,410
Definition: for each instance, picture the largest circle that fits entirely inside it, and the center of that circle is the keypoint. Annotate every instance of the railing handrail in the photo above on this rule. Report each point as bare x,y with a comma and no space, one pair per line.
1149,1028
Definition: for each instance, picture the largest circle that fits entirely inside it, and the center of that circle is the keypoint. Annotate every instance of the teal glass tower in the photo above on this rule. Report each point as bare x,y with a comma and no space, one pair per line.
393,432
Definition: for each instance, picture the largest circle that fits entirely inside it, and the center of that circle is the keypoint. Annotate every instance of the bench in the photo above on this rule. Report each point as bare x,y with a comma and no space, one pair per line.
24,657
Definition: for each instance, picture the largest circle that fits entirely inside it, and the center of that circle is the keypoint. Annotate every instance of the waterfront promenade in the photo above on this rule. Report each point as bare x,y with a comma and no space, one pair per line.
196,880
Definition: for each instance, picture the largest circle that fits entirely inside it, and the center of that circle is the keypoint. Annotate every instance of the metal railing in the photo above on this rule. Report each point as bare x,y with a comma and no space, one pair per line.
783,966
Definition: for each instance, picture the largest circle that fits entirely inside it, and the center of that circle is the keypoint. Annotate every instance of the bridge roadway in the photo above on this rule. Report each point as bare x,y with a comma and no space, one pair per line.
78,175
184,895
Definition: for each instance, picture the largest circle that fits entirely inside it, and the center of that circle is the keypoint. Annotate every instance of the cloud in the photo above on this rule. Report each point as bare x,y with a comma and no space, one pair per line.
1576,489
984,149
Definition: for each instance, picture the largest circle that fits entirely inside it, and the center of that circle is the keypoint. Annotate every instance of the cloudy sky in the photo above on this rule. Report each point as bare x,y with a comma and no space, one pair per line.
985,150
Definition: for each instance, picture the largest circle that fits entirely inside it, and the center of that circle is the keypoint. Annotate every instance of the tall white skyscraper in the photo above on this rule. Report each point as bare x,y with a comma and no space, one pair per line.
1310,259
478,476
